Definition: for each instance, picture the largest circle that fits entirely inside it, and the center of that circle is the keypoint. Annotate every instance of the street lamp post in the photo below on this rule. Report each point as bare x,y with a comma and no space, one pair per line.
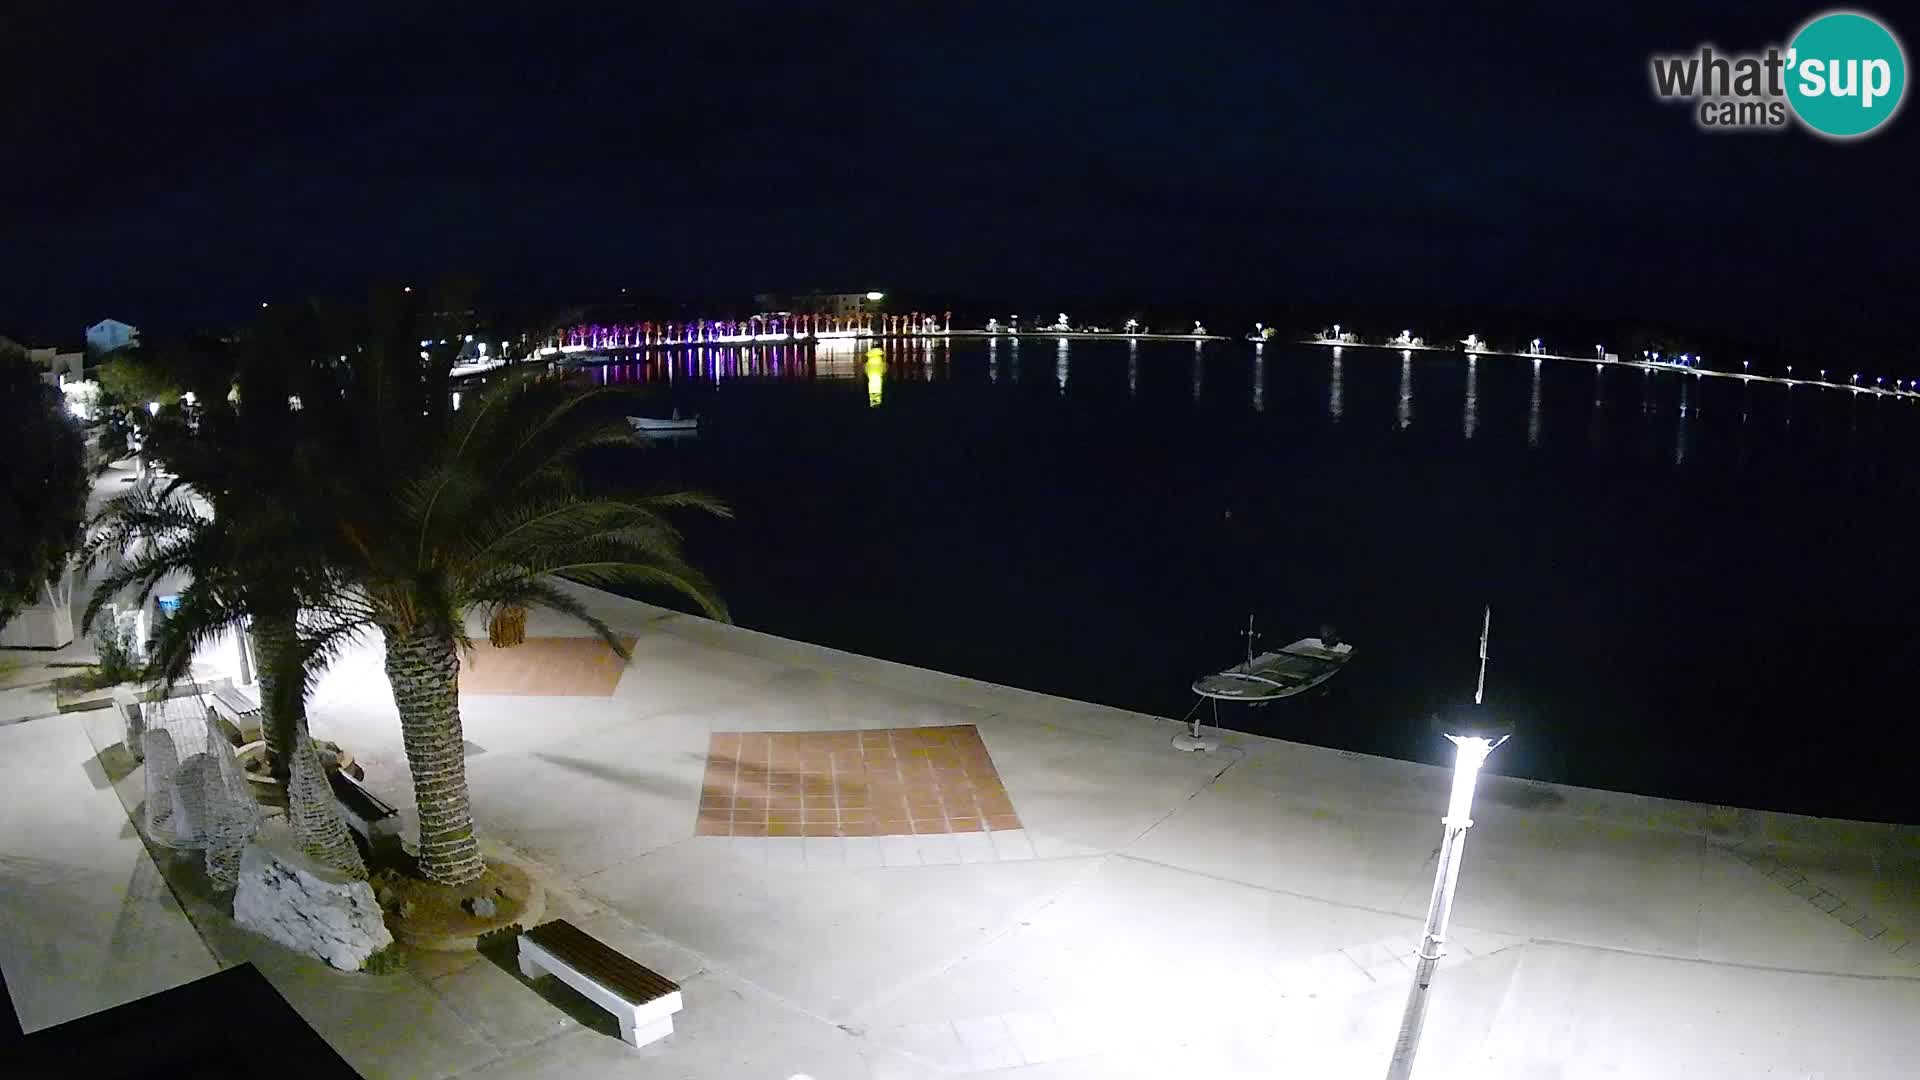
1473,738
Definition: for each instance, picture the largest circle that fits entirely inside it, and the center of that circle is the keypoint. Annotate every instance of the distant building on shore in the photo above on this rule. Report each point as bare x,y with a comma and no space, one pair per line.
840,305
110,334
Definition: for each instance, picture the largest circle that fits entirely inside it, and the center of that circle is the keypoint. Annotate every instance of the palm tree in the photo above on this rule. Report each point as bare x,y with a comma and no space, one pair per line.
440,513
232,522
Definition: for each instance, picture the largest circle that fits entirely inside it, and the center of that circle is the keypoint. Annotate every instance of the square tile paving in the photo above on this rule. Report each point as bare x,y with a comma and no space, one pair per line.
884,782
544,667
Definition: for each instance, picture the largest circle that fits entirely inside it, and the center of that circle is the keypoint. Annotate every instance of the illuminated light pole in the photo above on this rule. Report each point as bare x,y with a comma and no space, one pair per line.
1473,736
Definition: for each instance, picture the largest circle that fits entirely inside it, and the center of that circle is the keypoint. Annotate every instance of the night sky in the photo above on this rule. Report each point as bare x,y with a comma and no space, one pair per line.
175,168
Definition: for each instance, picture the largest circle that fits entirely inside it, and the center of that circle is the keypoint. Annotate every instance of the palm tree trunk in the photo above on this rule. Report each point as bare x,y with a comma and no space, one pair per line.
311,809
283,709
424,669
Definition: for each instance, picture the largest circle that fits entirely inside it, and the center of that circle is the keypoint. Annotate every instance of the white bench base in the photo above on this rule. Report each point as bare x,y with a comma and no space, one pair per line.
639,1024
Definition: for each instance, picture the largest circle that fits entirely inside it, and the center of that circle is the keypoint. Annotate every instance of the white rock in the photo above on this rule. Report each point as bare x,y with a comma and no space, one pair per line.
305,906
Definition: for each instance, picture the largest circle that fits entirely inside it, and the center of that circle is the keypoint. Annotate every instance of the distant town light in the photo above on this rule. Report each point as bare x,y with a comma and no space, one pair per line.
263,303
406,288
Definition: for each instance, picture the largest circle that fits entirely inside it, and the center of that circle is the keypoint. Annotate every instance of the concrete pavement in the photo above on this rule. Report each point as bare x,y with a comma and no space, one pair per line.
1245,912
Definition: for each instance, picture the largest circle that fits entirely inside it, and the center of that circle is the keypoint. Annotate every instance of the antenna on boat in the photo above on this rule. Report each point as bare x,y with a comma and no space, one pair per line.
1251,637
1486,626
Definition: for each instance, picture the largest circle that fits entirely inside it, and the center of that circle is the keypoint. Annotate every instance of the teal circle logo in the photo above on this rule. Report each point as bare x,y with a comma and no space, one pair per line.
1845,74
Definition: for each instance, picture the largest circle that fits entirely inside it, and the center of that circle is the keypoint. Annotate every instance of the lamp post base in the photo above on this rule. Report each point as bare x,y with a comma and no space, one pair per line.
1187,740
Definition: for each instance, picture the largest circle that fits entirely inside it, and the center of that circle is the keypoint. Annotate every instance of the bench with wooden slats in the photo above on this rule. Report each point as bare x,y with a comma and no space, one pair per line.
241,710
643,1000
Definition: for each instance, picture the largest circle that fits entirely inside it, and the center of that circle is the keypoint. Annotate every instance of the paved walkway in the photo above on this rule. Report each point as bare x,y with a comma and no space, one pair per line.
1248,912
86,922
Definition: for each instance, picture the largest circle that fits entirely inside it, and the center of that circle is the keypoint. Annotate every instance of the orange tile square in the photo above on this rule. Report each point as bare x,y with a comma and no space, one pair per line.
543,667
901,781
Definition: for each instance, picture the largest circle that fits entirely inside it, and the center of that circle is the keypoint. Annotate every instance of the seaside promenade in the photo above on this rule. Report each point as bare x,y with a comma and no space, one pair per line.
1116,908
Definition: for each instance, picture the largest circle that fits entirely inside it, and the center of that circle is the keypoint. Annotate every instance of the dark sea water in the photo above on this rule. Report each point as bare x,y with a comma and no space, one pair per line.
1701,588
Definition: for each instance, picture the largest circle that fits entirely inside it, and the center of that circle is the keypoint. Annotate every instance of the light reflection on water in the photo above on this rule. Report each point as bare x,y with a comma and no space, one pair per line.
1334,405
1471,414
1404,414
1672,405
1686,417
1533,408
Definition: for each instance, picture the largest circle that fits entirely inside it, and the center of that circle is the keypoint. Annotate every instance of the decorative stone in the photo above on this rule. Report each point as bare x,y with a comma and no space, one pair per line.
480,907
308,907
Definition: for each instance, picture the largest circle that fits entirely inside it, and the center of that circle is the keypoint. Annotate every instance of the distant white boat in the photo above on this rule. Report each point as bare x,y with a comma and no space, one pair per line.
1295,669
655,427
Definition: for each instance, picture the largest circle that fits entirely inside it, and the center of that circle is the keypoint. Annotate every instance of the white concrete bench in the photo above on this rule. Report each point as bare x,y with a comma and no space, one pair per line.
643,1000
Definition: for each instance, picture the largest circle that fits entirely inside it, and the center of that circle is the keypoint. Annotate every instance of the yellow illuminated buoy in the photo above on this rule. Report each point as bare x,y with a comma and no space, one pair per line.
876,372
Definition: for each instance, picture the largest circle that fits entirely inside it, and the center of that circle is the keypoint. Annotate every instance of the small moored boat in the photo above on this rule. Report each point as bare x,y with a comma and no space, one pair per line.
658,428
1295,669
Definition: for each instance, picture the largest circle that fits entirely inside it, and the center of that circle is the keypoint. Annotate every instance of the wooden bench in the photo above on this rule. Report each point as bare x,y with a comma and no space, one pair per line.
239,707
643,1000
377,824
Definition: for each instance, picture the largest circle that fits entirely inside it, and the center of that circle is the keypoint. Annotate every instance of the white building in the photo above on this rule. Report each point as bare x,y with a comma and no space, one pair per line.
841,305
110,334
59,368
